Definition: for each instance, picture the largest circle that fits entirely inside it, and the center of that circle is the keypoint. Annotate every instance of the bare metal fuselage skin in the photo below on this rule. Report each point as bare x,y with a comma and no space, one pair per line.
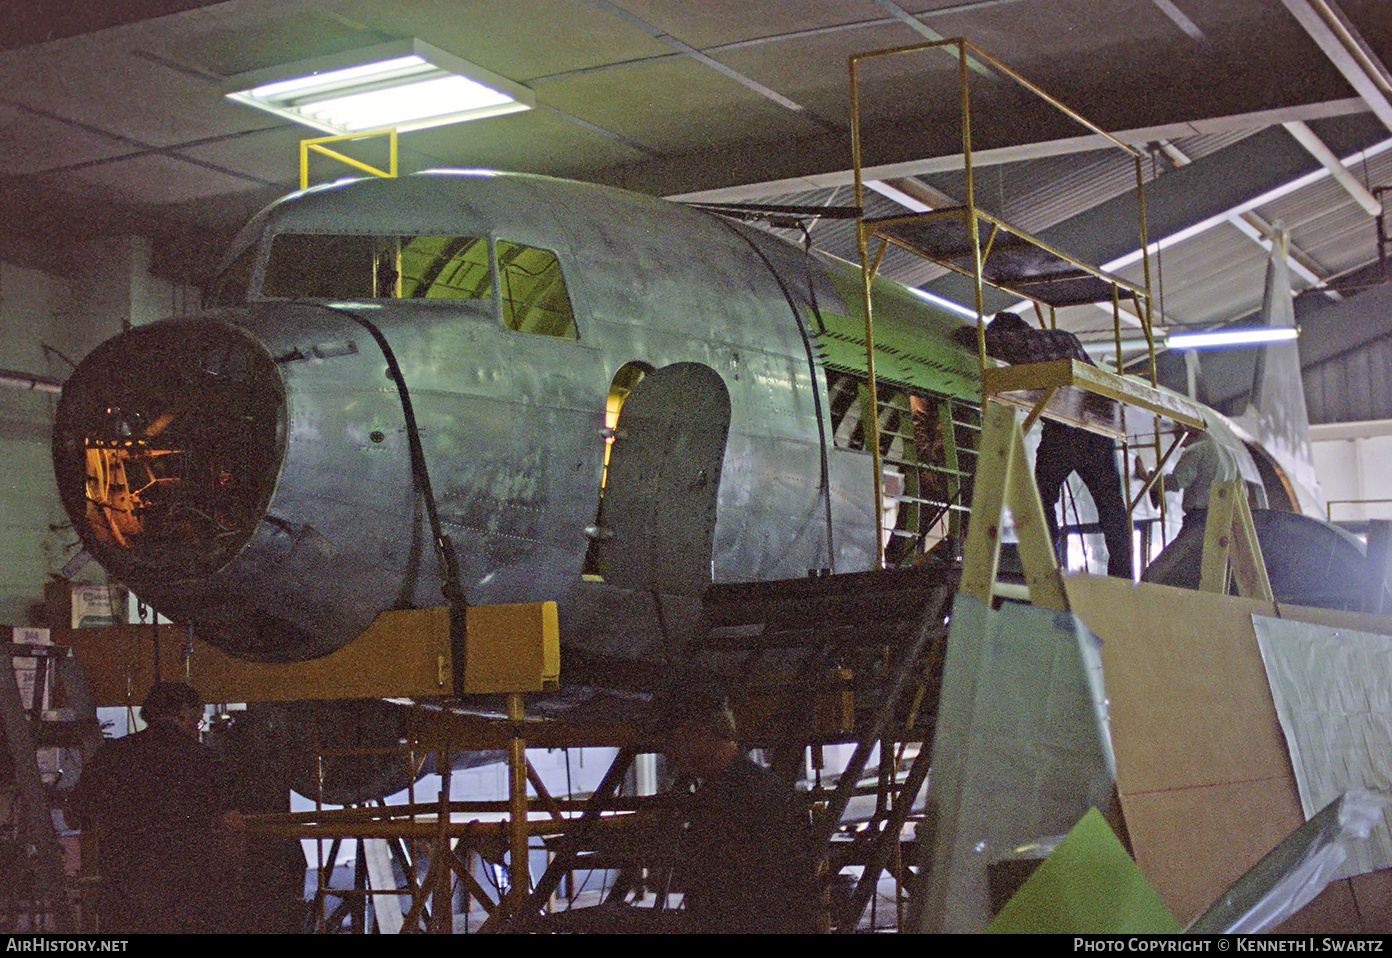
331,529
249,470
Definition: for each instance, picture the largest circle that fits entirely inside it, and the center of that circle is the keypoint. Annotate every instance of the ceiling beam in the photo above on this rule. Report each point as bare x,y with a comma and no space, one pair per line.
929,34
1257,229
1306,137
687,50
1190,28
25,23
755,190
912,194
1189,200
1345,48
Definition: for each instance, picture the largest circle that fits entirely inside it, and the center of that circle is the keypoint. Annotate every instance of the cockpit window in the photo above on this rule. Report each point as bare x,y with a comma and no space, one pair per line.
440,267
328,266
534,294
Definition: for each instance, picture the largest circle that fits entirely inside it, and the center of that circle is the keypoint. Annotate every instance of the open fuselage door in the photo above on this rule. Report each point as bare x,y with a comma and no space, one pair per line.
657,515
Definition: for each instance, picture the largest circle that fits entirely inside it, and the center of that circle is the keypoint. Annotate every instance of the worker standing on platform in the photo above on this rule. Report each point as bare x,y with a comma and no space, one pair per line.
157,802
1067,449
745,864
1204,462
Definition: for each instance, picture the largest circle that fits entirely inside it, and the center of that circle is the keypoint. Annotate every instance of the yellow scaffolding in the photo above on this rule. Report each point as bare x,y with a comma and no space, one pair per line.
1013,260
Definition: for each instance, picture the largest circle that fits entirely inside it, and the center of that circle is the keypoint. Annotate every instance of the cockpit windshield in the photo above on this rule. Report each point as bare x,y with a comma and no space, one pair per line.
333,266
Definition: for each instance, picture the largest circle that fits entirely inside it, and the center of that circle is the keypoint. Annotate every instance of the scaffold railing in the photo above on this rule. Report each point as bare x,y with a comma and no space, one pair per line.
990,251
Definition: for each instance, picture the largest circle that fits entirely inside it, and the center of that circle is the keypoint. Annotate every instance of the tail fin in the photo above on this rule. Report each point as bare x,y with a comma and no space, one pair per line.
1276,416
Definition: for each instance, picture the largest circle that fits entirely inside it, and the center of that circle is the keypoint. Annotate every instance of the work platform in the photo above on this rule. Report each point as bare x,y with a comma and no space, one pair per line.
1085,396
1011,258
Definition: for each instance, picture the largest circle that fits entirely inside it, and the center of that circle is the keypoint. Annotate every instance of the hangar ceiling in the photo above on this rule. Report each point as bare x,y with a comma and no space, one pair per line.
112,119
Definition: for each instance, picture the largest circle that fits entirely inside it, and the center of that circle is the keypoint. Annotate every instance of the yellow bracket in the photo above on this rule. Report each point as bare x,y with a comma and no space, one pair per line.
317,145
1003,478
1230,539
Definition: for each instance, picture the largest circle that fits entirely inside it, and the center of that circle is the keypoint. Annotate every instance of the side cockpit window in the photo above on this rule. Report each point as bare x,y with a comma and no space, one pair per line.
230,286
534,296
532,292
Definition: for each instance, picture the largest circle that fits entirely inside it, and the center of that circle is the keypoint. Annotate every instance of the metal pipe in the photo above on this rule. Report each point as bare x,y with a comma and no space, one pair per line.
867,273
519,872
10,379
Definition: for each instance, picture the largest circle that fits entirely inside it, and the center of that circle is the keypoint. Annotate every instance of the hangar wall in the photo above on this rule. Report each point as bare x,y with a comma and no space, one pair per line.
47,320
1351,459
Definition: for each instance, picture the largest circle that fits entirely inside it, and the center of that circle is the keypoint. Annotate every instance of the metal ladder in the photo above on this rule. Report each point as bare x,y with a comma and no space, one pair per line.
892,621
927,455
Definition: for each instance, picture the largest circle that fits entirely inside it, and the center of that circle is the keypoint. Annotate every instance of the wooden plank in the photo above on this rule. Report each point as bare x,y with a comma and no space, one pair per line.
981,553
1036,550
1085,393
1230,541
1249,568
1217,547
382,877
1134,391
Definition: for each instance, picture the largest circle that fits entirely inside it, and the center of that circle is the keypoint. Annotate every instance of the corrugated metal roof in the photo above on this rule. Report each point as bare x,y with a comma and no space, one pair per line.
1213,277
1327,224
1352,387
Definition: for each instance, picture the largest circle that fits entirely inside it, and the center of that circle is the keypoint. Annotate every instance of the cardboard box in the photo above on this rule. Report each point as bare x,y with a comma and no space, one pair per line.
80,605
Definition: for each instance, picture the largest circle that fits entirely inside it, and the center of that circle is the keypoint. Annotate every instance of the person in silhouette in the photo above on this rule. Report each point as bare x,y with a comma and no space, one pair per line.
157,803
745,864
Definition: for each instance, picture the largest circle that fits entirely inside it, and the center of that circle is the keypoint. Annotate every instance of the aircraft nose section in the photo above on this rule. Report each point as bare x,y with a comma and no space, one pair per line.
166,446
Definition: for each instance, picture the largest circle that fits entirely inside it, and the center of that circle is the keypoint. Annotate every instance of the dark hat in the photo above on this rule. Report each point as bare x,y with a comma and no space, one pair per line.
1008,320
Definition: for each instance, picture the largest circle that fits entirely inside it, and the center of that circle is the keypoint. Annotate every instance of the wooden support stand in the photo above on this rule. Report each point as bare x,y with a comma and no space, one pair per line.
1230,541
509,649
1003,479
405,653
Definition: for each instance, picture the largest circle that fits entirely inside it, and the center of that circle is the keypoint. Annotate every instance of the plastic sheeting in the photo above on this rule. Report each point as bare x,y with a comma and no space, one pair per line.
1021,749
1296,870
1333,693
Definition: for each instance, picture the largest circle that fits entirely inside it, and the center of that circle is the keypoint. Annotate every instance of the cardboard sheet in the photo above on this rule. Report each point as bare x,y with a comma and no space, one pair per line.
1203,773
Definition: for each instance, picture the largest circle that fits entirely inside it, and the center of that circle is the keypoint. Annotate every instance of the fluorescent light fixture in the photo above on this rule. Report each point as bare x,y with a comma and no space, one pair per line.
946,304
1250,336
1129,344
407,85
